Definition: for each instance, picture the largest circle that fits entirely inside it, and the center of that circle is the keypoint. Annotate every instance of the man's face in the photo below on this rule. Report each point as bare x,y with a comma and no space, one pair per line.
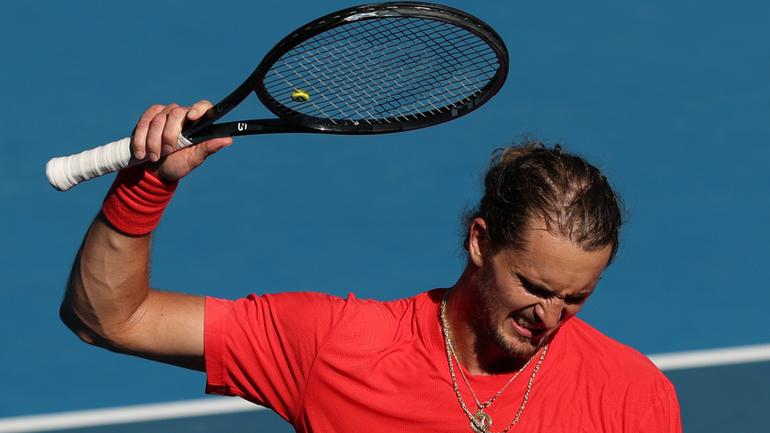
524,295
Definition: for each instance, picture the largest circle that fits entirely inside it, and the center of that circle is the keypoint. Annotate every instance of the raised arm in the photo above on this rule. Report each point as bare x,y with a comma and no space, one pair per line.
109,301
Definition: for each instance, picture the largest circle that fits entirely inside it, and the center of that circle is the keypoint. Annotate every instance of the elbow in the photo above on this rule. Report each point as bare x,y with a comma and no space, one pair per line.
74,323
92,334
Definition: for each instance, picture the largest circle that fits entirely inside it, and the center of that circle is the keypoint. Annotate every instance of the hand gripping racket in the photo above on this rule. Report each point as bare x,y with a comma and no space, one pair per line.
369,69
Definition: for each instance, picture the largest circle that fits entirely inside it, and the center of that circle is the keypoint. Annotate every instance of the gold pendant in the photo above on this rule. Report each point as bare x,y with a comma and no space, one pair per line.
482,422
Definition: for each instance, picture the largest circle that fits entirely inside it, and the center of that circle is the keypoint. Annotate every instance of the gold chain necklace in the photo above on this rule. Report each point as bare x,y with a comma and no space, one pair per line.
481,422
489,402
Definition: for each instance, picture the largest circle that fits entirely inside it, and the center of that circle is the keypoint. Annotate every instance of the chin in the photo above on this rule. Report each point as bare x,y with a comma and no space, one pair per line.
519,347
515,347
507,342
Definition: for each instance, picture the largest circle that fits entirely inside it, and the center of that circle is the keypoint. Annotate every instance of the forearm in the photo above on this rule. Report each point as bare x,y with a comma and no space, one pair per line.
108,300
108,284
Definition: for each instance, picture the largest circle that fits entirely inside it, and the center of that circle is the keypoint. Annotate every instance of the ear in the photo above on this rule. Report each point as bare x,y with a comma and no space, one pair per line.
478,241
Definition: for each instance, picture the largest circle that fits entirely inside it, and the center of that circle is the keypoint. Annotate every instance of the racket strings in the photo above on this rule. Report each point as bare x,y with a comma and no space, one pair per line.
383,71
429,78
400,35
345,97
435,76
346,36
375,66
402,60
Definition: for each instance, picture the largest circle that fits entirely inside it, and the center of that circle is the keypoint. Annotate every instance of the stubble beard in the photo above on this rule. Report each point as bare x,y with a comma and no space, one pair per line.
490,338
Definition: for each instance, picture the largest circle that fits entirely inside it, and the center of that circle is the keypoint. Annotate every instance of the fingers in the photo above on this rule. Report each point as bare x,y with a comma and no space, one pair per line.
158,129
155,133
172,129
138,143
146,142
198,109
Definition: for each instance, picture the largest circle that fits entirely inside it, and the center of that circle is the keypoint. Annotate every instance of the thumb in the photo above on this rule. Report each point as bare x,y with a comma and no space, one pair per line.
215,145
207,148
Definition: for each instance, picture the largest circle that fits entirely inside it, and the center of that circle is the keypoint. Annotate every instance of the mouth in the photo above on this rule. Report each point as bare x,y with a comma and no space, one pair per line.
526,329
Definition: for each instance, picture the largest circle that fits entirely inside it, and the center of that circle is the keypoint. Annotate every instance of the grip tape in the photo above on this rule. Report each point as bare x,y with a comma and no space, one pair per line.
64,172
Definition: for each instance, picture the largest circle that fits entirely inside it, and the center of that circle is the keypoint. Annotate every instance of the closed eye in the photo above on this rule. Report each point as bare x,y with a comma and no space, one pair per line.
535,289
542,292
575,300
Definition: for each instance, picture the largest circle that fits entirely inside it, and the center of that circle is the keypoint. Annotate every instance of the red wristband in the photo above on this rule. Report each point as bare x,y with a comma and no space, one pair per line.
137,200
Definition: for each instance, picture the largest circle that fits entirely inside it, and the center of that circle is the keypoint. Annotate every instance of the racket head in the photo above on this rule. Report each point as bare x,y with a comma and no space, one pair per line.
382,68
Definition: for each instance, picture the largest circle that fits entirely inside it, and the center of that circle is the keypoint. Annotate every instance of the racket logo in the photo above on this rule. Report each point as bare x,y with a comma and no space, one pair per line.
242,126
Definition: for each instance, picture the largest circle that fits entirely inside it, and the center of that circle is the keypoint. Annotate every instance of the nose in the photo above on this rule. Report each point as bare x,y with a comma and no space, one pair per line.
550,312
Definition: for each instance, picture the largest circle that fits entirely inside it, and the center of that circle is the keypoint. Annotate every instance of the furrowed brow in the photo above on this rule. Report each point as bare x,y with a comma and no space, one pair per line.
542,290
534,287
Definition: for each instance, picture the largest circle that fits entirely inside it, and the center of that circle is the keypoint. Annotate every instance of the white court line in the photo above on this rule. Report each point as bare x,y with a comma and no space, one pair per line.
223,405
126,414
712,357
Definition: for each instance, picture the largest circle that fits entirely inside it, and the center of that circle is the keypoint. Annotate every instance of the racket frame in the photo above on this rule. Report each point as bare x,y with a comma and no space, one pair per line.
287,121
67,171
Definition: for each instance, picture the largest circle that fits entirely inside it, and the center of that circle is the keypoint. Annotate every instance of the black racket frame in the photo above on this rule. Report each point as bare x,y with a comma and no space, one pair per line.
291,121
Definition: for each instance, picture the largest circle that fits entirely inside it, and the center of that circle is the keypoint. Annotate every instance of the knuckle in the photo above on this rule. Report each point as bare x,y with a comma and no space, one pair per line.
149,114
179,111
157,121
167,109
172,105
155,108
146,118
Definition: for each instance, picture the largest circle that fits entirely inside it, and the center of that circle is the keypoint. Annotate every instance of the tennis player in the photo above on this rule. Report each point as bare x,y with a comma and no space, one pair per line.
500,351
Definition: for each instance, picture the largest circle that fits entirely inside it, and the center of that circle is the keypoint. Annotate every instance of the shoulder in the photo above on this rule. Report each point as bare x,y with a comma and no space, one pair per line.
350,322
372,323
590,342
288,314
605,358
290,304
631,393
314,304
388,313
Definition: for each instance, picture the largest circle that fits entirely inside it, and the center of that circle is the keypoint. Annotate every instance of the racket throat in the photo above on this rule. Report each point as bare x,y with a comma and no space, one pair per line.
244,127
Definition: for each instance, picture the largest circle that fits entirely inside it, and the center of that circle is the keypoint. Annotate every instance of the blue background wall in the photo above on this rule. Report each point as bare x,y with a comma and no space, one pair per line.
671,99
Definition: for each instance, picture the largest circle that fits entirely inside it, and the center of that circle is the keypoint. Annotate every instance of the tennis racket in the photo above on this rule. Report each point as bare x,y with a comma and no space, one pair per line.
370,69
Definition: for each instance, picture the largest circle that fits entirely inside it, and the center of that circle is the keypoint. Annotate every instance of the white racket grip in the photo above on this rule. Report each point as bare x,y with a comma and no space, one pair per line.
64,172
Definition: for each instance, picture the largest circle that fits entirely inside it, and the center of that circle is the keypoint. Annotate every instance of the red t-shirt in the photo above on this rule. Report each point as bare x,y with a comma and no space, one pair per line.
327,364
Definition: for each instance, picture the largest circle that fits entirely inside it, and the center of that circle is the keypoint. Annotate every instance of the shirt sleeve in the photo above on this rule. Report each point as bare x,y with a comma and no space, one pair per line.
262,348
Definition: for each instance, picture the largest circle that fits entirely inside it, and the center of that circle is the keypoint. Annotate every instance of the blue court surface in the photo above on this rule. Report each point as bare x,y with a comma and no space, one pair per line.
669,98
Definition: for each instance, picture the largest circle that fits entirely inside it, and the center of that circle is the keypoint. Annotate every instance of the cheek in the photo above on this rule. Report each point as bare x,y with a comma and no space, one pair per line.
501,296
512,297
491,302
513,300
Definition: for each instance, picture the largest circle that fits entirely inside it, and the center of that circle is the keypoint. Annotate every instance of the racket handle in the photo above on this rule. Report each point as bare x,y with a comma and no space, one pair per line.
64,172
